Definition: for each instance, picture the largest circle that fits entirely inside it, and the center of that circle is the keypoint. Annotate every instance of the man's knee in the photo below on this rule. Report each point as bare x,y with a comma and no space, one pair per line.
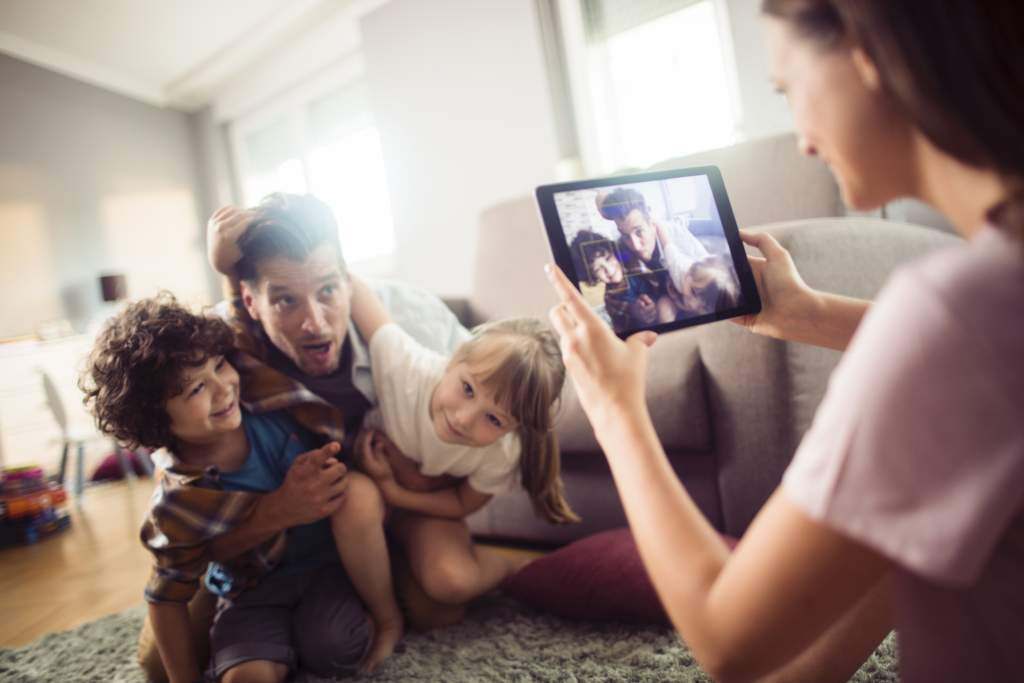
256,671
363,503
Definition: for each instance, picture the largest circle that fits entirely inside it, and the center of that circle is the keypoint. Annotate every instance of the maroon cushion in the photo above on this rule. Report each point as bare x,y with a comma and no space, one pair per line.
600,577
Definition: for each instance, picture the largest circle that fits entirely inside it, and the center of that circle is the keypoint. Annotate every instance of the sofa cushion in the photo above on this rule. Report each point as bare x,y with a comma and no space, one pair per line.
676,399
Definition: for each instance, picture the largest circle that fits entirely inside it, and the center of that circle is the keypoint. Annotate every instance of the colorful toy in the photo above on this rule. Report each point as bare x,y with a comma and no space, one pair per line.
31,507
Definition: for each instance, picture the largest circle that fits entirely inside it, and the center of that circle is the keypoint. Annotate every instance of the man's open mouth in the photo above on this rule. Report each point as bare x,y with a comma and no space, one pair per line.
319,352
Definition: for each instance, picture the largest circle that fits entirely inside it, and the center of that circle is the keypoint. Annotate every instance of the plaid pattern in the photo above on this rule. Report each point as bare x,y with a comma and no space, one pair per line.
190,508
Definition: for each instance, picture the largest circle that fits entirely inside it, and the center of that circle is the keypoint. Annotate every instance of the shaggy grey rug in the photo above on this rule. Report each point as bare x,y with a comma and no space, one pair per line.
500,640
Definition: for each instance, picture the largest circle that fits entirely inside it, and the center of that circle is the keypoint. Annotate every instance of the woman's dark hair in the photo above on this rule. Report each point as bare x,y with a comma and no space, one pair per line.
289,225
955,68
139,361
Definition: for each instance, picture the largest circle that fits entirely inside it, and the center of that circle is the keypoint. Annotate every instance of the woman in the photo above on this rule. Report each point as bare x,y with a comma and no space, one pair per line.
903,506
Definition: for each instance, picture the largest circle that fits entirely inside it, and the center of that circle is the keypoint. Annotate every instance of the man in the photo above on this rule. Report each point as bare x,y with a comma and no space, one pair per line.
642,244
289,308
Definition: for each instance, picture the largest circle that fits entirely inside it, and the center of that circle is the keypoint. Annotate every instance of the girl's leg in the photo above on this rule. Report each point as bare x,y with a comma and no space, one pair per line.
358,528
446,563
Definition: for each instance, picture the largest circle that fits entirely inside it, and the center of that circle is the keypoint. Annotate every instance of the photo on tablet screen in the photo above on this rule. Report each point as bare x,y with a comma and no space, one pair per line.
652,253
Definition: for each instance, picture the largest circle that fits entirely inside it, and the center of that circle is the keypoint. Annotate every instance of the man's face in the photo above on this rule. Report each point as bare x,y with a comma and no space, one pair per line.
303,307
640,236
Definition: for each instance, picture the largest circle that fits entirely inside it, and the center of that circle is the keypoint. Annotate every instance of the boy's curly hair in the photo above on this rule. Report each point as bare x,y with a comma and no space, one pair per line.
138,362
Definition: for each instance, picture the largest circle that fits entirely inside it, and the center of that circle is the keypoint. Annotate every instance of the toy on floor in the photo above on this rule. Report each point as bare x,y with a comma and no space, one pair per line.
31,507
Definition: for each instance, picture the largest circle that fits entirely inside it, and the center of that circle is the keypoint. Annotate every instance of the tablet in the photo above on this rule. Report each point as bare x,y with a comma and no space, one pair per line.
655,251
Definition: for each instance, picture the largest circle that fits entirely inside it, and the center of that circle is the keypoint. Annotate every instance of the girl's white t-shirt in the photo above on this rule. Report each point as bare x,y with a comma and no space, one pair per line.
405,375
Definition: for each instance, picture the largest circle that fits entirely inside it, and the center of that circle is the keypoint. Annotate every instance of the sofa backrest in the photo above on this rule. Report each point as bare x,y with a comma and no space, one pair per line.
768,180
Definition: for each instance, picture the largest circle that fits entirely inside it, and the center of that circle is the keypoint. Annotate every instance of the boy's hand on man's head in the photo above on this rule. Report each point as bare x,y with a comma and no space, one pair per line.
314,486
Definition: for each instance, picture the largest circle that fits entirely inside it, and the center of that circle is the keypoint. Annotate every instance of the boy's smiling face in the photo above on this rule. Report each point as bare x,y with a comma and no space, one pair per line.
207,408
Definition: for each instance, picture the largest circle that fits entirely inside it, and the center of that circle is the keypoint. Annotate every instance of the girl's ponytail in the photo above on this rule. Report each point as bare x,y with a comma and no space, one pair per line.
540,472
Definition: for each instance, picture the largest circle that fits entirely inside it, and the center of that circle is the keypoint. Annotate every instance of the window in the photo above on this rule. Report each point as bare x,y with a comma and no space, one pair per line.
328,146
651,79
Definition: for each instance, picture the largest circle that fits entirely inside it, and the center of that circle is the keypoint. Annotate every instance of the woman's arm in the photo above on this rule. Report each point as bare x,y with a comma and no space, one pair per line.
174,641
368,313
839,652
743,615
790,309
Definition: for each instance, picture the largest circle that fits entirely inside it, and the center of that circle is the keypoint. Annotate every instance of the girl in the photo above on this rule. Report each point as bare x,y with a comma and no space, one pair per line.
902,507
470,427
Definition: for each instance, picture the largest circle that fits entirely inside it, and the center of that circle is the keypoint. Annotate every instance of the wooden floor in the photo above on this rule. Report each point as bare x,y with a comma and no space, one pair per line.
95,568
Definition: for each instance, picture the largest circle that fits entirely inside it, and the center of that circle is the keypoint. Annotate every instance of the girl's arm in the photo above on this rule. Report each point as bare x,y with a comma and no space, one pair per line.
789,580
368,313
454,502
174,641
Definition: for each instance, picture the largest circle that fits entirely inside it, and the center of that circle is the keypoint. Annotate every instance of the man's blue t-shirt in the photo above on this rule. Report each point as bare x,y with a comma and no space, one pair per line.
275,440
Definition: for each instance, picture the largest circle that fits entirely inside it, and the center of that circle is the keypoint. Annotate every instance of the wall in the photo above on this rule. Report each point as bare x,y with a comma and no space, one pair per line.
91,182
763,111
461,98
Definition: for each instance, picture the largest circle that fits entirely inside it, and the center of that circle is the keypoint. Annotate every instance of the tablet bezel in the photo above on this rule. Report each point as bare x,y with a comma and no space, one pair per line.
563,257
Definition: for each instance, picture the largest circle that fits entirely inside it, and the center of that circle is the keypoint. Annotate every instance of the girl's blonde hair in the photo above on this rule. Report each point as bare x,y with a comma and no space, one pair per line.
518,360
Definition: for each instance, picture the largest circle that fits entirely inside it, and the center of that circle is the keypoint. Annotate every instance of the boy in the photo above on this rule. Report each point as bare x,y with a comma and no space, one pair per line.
158,377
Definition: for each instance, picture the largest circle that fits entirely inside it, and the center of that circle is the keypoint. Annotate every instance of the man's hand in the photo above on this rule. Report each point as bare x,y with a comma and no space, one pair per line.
223,229
313,488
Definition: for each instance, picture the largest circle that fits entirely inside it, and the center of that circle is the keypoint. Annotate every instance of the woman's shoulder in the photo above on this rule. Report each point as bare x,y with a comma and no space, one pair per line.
964,299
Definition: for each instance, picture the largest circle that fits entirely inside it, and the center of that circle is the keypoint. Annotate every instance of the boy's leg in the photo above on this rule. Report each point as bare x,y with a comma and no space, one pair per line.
358,528
445,561
332,631
201,609
251,638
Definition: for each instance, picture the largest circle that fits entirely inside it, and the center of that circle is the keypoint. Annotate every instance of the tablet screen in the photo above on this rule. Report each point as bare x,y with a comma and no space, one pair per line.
650,253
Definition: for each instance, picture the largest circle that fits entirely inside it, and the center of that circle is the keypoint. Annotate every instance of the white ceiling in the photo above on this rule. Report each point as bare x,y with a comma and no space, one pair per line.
166,52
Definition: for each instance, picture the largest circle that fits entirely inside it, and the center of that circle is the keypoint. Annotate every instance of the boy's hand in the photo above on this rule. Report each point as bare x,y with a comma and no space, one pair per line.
373,455
314,486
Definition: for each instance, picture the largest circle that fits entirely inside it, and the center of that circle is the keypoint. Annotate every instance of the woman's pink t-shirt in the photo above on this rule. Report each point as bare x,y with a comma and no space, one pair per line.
917,451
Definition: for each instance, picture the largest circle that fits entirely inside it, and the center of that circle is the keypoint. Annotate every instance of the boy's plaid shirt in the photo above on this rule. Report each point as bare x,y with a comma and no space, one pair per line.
189,509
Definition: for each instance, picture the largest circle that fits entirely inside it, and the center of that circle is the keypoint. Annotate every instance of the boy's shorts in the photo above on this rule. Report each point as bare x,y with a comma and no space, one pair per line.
314,620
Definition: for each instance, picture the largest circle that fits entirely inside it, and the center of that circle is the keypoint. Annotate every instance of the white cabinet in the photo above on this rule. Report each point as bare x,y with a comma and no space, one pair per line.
28,431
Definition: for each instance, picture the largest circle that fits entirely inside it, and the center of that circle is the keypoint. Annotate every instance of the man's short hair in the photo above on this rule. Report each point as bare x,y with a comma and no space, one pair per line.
289,225
618,204
139,361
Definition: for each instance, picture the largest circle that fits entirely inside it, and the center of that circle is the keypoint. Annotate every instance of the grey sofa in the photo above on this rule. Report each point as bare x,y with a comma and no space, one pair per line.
729,406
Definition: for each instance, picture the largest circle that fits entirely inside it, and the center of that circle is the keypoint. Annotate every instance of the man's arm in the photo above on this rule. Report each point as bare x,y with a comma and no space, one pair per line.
313,489
174,641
